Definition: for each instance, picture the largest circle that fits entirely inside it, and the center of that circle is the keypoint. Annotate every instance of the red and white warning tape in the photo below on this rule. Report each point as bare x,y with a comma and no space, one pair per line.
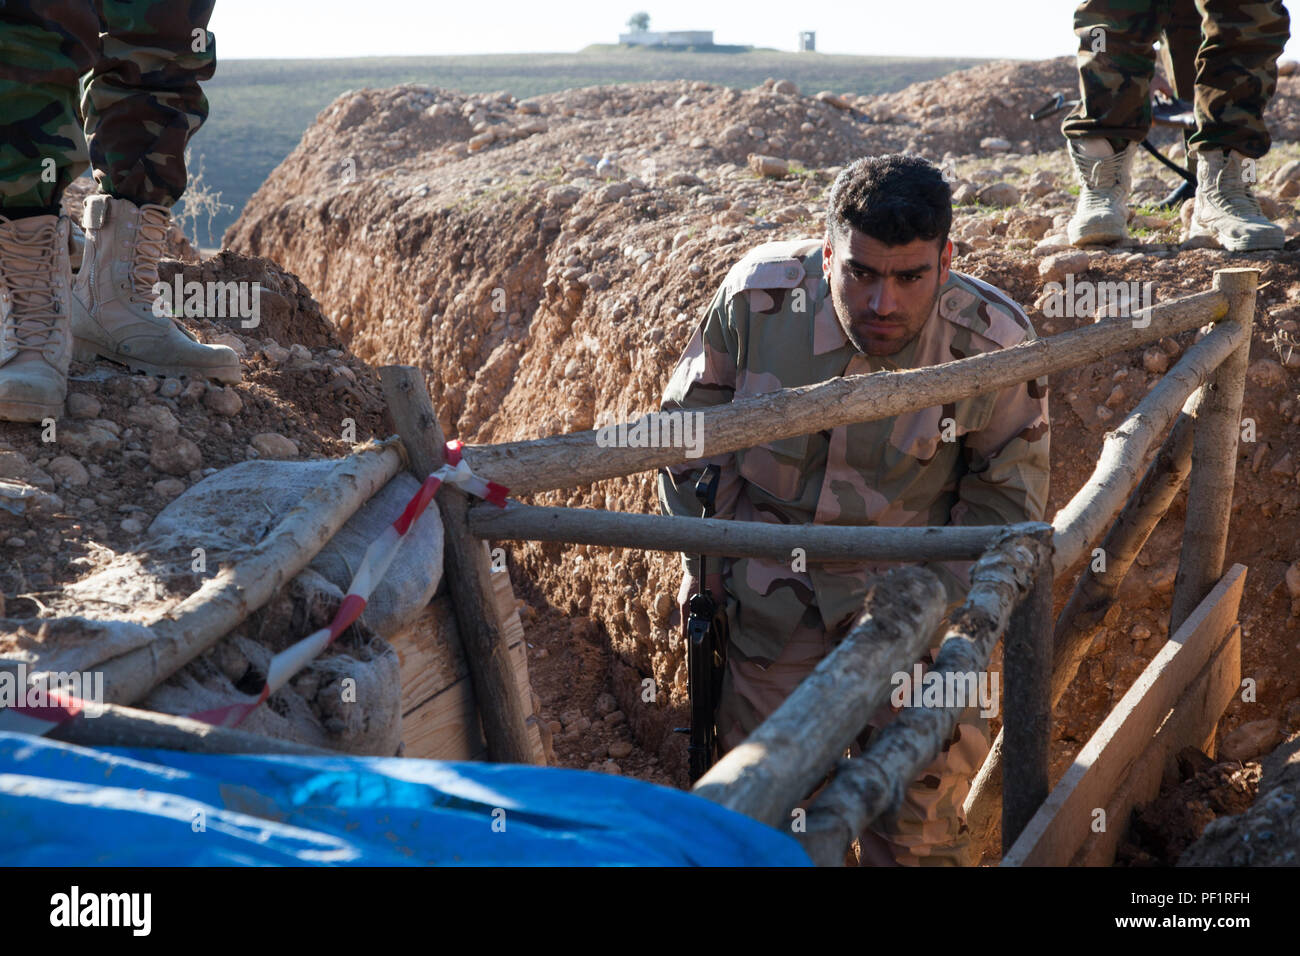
378,557
20,716
380,554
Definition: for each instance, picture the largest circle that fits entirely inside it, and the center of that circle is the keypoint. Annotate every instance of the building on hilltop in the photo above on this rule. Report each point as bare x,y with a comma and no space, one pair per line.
667,38
808,41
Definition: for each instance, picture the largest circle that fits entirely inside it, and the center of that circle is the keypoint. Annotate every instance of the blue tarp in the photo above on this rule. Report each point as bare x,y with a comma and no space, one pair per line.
62,805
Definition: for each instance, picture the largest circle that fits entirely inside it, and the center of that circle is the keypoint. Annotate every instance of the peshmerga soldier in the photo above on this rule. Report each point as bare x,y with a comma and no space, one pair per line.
874,294
1235,76
137,66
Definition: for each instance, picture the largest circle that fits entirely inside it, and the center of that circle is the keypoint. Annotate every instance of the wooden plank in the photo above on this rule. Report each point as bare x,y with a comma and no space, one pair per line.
1190,723
446,727
1063,821
467,569
430,654
512,632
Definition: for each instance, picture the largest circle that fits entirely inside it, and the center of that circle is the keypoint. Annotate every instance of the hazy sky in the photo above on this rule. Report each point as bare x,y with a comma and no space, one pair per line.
1031,29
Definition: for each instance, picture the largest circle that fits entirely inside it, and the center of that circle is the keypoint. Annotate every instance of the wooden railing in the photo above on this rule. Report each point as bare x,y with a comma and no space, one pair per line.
1198,402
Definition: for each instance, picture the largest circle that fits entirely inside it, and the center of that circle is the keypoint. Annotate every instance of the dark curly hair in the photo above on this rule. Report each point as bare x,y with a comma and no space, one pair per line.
895,199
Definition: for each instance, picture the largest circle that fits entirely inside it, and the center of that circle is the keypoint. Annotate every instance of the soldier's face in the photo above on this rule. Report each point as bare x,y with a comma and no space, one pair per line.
882,294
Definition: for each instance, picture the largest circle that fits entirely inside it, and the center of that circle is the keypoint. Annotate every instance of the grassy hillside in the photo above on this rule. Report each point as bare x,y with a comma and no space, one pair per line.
260,108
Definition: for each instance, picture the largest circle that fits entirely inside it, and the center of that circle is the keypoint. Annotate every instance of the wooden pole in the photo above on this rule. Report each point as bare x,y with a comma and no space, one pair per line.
119,726
468,571
736,539
226,599
1146,505
579,458
865,787
1094,596
1126,451
1027,706
1214,458
1095,593
782,760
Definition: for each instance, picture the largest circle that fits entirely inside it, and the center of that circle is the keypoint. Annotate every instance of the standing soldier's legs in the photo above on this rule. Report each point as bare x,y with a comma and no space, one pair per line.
142,103
44,47
1116,63
1236,75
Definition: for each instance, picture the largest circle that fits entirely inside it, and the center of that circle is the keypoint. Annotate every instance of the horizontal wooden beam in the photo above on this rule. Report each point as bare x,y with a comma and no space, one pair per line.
865,787
579,458
735,539
782,760
119,726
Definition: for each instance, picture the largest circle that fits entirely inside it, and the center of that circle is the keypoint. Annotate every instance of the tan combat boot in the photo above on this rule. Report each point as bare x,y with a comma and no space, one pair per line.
35,325
1226,210
1105,177
115,284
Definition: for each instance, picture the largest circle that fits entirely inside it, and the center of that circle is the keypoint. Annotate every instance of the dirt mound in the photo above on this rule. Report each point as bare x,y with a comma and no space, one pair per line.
954,113
546,271
127,445
1203,792
1268,833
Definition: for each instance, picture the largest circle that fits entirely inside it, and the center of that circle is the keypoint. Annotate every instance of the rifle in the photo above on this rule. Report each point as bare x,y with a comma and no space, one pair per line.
706,648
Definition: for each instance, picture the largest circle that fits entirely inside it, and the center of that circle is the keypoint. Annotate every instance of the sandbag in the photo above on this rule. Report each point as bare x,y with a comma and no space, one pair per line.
238,506
349,699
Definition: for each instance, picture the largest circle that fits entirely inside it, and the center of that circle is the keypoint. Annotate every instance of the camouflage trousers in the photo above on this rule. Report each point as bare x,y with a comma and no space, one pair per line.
929,827
1235,67
112,84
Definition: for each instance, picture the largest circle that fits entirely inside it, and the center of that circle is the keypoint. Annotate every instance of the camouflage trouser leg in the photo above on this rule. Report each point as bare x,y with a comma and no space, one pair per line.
44,48
1116,62
142,102
929,827
1178,47
1236,73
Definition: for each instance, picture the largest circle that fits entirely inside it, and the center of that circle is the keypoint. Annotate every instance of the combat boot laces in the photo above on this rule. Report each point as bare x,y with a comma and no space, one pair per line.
1234,193
1102,181
154,225
29,267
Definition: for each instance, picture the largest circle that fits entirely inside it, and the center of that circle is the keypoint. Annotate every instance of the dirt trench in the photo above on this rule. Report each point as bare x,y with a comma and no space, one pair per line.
545,261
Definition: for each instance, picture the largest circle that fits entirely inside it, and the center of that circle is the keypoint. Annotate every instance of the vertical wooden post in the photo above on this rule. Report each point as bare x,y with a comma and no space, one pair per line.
1214,458
1027,707
467,568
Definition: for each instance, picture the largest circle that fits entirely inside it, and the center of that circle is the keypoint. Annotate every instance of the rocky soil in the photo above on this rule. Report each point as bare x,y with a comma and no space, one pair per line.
544,263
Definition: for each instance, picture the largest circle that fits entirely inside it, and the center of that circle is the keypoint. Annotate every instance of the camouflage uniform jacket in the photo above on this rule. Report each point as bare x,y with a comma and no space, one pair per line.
982,460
